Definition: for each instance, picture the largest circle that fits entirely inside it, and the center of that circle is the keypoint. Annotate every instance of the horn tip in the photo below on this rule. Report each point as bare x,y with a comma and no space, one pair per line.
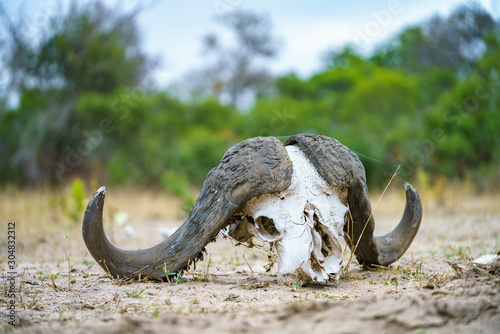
97,198
101,190
414,199
99,194
409,187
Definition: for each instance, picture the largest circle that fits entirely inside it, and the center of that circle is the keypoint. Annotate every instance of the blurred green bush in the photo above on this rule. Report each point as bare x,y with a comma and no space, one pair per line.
395,107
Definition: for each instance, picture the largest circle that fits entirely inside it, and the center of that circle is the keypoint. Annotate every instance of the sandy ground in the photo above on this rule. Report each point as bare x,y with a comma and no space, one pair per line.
434,288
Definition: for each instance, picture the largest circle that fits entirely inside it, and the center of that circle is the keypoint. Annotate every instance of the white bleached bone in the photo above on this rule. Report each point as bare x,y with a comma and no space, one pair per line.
303,222
486,259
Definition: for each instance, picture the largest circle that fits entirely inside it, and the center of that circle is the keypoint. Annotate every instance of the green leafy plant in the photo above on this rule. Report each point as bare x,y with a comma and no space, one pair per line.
173,277
134,294
42,274
75,200
155,312
180,279
460,252
199,277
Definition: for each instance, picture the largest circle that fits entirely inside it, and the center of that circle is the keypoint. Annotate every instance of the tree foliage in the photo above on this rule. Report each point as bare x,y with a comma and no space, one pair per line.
88,48
455,42
427,100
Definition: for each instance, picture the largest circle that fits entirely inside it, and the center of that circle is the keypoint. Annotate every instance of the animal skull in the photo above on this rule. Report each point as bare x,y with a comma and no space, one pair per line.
304,224
294,196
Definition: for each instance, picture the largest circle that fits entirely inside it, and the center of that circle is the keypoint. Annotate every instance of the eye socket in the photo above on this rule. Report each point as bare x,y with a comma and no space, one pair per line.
268,225
266,229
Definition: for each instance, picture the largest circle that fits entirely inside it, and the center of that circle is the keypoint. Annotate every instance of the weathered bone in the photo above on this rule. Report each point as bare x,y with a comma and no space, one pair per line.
303,222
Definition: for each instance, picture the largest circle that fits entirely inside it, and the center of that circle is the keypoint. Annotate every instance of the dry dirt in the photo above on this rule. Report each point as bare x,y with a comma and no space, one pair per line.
434,288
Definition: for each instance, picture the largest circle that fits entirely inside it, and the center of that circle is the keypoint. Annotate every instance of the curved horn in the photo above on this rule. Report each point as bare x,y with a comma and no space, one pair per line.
340,167
251,168
388,248
393,245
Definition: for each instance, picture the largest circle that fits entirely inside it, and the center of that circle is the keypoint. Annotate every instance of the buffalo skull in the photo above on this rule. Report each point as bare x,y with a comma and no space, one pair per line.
301,197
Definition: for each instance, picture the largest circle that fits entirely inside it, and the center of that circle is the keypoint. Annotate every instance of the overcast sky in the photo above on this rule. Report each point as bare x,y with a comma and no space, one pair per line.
172,30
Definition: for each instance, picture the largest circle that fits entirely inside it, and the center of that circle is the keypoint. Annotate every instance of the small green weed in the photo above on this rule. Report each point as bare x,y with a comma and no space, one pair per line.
171,276
155,312
199,277
457,253
74,201
134,294
180,279
42,274
88,262
418,274
386,281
